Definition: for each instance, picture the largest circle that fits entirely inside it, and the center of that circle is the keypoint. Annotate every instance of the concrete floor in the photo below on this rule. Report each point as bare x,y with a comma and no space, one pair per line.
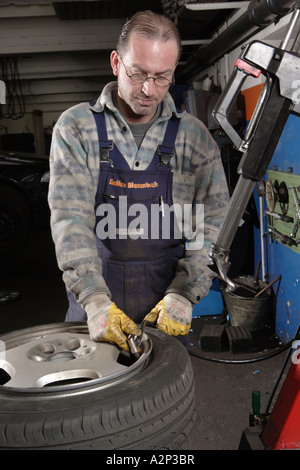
223,389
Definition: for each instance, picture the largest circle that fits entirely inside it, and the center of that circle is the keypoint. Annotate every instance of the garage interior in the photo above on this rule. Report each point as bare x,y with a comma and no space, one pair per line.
55,54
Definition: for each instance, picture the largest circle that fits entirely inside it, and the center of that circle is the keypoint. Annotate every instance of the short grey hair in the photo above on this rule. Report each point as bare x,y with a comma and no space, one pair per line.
150,25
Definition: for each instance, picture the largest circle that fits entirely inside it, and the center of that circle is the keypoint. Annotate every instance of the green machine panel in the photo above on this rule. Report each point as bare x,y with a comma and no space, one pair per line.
282,191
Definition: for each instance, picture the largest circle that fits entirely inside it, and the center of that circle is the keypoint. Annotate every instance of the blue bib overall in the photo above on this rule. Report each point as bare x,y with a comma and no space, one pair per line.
135,230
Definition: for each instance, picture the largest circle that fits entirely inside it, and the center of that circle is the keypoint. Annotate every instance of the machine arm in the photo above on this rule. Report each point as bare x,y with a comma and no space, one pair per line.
279,97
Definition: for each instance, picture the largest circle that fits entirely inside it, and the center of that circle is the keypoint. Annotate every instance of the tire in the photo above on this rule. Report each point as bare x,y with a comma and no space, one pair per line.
15,220
152,409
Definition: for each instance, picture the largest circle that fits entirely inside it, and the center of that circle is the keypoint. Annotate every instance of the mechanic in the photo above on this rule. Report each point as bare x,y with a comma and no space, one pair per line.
110,157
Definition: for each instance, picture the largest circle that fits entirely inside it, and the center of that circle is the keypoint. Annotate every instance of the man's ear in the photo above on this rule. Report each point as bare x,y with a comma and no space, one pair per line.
114,62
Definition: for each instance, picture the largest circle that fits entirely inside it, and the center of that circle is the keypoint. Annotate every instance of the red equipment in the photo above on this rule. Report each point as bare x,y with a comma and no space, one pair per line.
282,430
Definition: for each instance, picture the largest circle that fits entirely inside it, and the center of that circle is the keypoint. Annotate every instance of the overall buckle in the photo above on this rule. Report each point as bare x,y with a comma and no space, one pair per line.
105,147
165,154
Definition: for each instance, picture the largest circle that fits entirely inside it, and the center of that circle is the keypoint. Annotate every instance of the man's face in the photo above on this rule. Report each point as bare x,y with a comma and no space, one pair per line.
139,101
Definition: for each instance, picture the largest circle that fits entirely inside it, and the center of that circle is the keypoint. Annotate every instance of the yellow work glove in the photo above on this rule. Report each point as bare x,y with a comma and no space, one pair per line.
173,315
106,322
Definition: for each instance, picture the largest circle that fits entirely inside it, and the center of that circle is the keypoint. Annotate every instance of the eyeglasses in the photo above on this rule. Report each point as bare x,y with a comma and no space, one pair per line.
142,78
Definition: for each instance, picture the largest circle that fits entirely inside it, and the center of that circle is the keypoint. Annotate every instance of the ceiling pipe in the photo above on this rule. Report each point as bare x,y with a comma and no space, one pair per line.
259,15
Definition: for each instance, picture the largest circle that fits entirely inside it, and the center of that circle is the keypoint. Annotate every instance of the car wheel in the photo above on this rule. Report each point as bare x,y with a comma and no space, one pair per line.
61,390
15,220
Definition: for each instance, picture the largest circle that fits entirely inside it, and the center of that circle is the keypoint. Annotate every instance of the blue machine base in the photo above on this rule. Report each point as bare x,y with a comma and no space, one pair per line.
212,304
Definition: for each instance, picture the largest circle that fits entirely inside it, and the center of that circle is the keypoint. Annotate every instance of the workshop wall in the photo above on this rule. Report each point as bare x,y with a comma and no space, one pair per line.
49,65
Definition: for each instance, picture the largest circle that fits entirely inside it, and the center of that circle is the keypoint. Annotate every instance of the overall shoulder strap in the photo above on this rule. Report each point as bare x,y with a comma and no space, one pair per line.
165,151
108,152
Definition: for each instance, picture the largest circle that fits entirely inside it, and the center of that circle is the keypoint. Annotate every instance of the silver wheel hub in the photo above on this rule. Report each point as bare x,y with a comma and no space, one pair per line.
67,359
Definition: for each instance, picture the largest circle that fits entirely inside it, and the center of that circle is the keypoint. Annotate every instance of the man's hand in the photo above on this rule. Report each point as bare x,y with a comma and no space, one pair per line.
106,322
173,315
